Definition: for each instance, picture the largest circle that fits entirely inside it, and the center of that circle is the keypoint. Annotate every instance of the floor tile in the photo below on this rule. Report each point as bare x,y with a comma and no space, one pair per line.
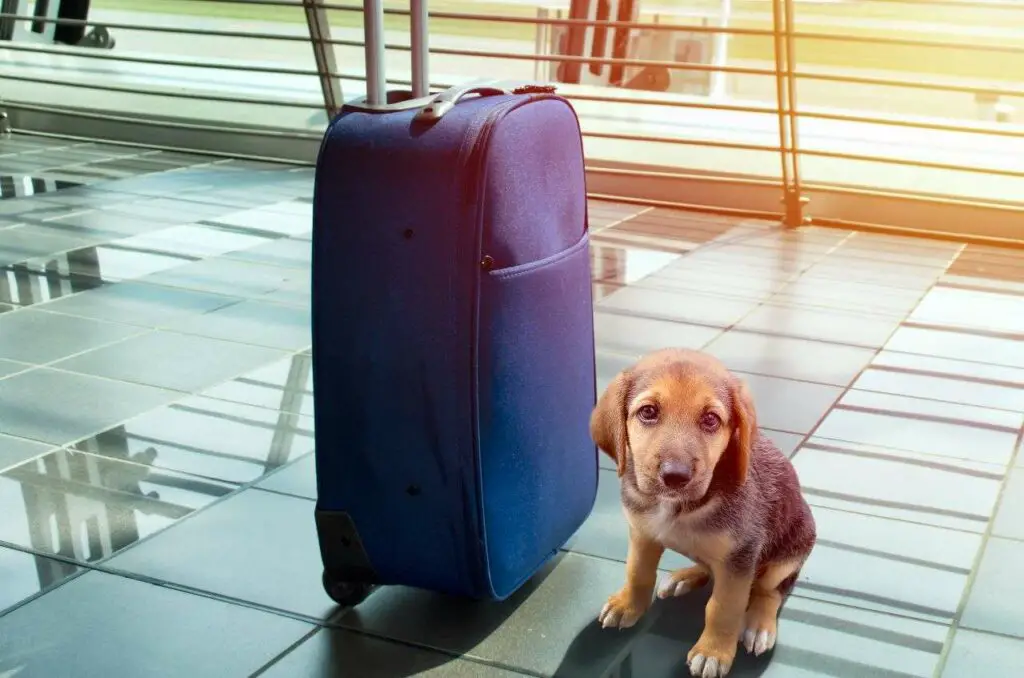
626,264
287,252
953,390
971,309
983,654
140,304
679,306
298,479
683,277
25,574
895,485
104,224
949,368
780,261
106,263
823,325
994,603
332,653
915,252
958,345
265,547
847,295
603,213
210,438
285,218
169,360
35,336
834,640
227,276
556,610
296,292
941,438
1010,518
794,406
636,336
253,322
605,533
7,367
875,271
285,385
28,284
14,451
816,640
193,240
60,407
26,242
89,507
105,626
933,409
787,442
888,565
779,356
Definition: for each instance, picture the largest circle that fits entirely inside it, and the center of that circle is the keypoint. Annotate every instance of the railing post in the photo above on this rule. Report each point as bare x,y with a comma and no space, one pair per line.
323,53
794,201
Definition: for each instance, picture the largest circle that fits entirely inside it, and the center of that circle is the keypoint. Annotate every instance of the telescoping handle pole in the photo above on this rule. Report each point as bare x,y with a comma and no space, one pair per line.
418,24
373,36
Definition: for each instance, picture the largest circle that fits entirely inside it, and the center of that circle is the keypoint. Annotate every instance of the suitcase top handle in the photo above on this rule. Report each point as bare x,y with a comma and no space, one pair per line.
446,100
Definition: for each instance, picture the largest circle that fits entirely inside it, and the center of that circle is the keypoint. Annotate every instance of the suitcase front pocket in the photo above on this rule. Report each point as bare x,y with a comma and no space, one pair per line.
535,373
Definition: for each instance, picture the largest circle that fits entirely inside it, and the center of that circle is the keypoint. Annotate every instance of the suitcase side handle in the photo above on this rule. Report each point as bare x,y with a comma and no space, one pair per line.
446,100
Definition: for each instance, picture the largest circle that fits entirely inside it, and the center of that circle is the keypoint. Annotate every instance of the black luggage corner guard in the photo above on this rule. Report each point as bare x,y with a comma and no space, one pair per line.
341,548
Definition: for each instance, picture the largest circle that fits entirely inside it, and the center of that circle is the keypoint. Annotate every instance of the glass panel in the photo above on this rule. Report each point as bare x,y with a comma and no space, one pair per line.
203,61
916,85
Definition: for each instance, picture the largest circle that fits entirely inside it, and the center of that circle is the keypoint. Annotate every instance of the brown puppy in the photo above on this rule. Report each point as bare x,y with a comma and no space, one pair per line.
698,478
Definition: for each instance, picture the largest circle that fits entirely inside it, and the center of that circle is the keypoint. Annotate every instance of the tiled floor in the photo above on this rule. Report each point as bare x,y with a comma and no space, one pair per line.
156,434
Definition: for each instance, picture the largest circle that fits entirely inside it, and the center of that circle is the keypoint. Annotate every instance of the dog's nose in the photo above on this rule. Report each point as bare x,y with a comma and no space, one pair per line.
675,474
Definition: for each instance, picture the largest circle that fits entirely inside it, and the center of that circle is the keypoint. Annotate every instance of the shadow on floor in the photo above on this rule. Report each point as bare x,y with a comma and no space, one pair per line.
449,625
655,648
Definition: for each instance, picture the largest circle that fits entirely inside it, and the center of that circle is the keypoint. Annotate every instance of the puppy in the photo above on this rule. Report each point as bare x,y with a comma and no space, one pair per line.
698,478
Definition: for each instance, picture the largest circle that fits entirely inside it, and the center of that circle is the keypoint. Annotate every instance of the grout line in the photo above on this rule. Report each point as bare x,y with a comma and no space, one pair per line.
864,369
599,229
965,595
287,651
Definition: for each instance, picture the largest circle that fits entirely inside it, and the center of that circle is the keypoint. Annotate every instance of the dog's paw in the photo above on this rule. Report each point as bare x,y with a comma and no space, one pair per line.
760,633
710,658
758,641
682,581
761,626
622,611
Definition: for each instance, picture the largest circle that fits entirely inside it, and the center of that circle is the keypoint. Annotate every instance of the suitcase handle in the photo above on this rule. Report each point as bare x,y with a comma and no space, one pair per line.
373,42
446,100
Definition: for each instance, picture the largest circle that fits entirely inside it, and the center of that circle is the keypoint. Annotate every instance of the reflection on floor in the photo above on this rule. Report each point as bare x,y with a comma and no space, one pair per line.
156,483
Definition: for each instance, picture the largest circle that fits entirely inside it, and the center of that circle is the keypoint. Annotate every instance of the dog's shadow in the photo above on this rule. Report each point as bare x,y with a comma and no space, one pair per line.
655,648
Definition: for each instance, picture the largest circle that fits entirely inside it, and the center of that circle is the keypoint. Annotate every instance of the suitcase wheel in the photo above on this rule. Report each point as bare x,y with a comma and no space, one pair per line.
346,593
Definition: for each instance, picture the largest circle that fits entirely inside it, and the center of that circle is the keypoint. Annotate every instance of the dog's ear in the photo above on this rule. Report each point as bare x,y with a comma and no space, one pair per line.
608,421
744,429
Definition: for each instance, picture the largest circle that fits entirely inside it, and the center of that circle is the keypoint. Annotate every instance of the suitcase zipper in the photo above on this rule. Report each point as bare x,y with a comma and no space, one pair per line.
475,160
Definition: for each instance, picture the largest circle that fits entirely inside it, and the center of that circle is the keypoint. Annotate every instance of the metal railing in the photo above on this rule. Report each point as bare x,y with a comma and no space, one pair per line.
944,150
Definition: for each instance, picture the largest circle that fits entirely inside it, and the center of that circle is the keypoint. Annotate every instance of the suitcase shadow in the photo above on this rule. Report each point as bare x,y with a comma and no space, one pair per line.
655,648
449,627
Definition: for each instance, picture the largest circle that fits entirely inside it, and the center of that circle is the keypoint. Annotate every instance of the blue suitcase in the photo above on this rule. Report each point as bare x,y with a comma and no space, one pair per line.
453,337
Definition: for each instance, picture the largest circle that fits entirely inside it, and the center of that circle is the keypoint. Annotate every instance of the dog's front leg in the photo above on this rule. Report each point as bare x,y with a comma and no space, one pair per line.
624,608
715,650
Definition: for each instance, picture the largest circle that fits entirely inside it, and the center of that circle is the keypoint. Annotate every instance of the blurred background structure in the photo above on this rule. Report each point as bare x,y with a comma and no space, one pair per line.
902,113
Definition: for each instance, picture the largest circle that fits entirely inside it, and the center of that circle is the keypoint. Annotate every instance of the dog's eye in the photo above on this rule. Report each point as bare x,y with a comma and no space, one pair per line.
710,422
647,413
